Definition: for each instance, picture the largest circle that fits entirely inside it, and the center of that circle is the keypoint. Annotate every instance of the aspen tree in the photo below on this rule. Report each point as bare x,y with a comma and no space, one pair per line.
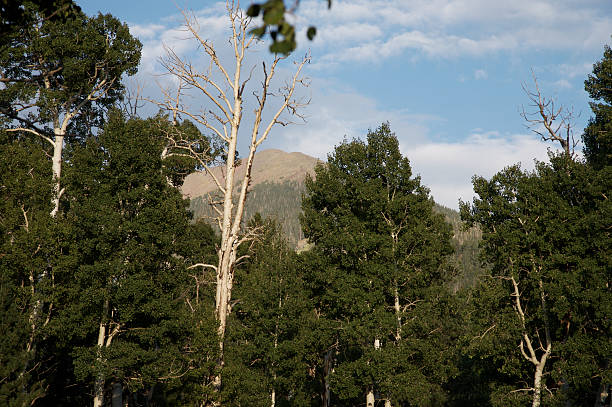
226,87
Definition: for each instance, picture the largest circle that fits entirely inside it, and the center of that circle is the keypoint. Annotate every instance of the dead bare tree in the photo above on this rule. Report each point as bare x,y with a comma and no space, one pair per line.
550,122
225,90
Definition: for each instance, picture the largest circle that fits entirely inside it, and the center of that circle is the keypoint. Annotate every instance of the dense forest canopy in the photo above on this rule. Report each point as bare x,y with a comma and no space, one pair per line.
109,277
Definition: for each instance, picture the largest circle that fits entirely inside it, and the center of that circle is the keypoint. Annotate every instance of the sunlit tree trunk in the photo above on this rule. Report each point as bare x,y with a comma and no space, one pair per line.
224,119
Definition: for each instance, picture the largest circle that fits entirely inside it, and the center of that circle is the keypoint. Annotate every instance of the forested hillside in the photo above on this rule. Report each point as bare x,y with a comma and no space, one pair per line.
281,201
116,290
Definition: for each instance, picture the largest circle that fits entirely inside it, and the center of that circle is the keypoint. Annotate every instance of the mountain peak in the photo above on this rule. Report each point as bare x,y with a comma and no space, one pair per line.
271,165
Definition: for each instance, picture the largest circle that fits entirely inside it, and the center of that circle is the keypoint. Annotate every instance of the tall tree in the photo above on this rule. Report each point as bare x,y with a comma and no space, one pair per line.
597,136
224,88
544,234
270,326
126,308
60,69
382,253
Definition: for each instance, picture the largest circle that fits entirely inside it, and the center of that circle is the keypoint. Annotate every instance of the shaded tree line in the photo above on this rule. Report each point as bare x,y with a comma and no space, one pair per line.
106,297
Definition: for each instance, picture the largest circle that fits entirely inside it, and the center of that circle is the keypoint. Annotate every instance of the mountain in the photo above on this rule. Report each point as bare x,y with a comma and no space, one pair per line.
269,166
276,191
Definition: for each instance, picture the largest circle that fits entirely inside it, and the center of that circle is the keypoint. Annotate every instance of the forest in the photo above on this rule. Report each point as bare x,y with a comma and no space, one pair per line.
114,293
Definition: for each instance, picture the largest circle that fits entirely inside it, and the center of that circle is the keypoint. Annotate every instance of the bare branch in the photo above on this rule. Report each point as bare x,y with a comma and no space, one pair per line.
204,265
36,133
557,121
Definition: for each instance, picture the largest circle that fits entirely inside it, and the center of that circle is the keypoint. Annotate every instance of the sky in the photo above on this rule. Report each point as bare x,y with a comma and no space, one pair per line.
448,75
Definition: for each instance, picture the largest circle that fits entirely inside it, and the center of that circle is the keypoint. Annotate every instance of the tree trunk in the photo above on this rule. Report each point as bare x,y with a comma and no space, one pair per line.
602,395
117,397
370,394
327,369
56,165
370,398
99,383
537,382
398,314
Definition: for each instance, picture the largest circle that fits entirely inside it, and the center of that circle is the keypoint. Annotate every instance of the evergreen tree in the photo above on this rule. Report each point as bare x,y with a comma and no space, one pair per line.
377,280
61,70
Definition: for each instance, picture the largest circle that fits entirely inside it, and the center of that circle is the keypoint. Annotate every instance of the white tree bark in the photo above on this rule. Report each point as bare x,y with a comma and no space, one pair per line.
98,400
602,395
370,398
56,165
105,338
224,119
531,354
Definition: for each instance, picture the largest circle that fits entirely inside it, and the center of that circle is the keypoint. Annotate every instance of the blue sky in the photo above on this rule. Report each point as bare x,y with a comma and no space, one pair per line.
446,74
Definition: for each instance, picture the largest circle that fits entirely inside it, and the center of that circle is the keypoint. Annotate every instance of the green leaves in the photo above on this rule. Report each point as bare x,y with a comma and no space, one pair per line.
83,59
597,135
311,32
281,32
544,230
378,243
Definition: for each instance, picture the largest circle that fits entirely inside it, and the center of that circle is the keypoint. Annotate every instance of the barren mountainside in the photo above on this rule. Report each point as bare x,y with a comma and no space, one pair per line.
272,166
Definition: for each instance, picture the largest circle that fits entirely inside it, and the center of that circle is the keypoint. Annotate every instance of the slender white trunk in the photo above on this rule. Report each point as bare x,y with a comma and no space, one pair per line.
370,398
398,315
98,400
537,381
229,229
56,165
602,395
370,394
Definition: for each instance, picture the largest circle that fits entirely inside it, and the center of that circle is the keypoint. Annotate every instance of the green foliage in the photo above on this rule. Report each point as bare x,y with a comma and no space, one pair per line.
548,231
282,33
26,245
128,224
597,135
378,242
270,326
65,65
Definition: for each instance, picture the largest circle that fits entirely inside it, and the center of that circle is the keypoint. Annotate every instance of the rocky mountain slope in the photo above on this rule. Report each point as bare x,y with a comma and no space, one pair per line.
276,192
269,166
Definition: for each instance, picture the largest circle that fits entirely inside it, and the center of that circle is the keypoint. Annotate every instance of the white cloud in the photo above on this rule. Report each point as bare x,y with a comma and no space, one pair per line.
144,32
480,74
447,168
336,113
452,28
375,30
563,84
